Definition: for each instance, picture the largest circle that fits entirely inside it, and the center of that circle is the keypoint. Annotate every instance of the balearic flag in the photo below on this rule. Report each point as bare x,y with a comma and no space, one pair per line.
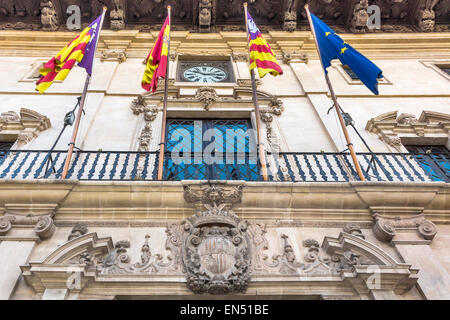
332,47
157,59
81,50
261,55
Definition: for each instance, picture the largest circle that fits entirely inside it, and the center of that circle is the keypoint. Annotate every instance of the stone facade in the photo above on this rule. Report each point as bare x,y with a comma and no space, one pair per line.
291,239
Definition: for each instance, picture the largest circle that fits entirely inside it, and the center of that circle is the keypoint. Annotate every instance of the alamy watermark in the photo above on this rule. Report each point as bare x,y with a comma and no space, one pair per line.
74,17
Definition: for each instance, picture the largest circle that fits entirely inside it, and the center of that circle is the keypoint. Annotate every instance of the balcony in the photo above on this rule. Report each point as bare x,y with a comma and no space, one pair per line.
287,166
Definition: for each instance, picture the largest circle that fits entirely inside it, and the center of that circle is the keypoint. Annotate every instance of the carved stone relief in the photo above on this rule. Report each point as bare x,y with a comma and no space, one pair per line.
117,15
139,106
77,231
49,16
358,22
207,96
205,15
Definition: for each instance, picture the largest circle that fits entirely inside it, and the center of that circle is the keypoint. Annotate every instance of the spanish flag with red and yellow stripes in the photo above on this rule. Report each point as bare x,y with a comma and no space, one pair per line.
261,55
157,59
81,50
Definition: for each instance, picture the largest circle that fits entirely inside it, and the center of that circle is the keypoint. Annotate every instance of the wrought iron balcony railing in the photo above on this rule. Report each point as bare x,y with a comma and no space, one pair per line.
287,166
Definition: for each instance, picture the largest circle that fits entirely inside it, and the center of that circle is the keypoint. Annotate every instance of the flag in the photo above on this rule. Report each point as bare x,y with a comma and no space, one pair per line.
157,59
332,47
261,55
81,50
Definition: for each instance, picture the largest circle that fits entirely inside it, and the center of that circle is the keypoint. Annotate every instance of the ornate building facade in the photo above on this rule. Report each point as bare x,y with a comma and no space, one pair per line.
314,231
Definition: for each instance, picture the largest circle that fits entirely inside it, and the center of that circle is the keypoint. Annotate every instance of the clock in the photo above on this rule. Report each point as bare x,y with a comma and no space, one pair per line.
205,71
204,74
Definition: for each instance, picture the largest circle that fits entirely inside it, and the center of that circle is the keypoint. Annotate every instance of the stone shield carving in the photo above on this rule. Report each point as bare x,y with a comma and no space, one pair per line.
216,244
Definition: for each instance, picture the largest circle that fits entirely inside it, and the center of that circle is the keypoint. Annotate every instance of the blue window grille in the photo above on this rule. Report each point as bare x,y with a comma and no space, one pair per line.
435,160
210,149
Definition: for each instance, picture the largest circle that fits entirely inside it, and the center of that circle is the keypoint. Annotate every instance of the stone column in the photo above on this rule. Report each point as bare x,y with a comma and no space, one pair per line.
433,281
13,253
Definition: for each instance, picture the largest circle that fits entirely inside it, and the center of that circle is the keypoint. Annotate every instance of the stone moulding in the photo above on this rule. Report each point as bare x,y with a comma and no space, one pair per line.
22,127
392,129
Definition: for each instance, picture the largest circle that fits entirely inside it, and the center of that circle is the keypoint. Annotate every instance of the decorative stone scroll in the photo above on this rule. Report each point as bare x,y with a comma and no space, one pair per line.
44,226
118,55
386,228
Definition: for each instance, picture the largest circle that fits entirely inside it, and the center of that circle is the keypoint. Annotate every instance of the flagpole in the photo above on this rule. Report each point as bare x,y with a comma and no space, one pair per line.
262,157
162,145
81,108
336,105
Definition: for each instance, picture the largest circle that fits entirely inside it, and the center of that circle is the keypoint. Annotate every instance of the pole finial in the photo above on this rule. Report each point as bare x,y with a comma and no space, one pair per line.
245,4
169,7
105,8
306,6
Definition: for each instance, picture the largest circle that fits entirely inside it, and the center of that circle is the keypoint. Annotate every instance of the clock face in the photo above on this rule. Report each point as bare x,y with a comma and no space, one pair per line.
204,74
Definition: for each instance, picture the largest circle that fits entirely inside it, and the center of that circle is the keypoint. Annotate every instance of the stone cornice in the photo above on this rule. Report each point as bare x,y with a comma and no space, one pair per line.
137,44
311,203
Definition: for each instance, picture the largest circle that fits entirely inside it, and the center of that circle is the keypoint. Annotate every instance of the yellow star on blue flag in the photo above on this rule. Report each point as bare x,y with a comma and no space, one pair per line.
331,47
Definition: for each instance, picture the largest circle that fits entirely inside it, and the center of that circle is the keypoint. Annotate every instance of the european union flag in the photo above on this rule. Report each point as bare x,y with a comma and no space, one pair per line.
332,47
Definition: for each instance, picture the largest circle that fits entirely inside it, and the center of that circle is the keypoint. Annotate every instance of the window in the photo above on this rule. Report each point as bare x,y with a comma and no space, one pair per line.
350,72
446,69
210,149
435,160
351,76
4,146
205,71
33,74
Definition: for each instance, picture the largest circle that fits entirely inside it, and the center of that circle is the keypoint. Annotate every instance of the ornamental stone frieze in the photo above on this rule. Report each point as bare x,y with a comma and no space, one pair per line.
209,16
395,129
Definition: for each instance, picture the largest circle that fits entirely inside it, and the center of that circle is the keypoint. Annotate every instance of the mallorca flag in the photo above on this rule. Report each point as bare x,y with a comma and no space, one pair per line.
261,55
332,47
157,59
81,50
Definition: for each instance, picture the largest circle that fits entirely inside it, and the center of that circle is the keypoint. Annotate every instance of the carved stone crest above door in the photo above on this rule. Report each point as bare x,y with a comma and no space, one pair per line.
216,244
